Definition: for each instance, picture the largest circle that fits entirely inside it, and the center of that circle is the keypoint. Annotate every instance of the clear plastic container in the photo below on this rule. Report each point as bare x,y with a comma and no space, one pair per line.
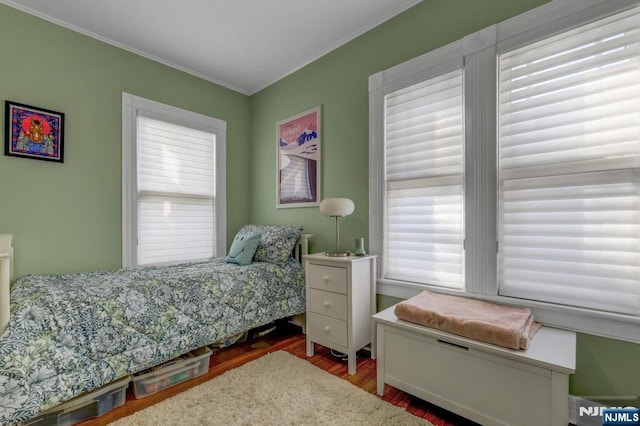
86,406
194,364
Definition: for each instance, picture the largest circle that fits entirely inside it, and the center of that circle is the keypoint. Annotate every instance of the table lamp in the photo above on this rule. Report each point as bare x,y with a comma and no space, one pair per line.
337,207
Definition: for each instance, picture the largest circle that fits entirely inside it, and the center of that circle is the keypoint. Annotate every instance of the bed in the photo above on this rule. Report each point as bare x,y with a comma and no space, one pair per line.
73,333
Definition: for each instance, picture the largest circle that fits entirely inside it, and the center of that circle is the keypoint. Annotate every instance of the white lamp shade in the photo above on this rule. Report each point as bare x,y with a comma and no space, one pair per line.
337,207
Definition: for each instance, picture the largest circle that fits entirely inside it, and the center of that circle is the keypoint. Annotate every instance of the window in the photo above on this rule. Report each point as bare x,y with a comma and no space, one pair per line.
569,154
423,137
173,184
546,179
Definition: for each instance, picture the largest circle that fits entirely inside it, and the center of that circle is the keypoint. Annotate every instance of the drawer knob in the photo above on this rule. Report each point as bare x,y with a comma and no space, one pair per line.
326,304
325,278
327,329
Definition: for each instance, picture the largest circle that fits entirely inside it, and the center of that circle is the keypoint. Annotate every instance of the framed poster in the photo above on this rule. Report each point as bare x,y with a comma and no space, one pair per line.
33,132
298,175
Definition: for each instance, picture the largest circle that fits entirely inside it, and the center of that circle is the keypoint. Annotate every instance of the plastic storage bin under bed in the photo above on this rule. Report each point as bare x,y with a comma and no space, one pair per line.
86,406
189,366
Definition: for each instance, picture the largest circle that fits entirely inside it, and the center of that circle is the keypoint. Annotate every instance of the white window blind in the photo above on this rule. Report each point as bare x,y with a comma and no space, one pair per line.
569,157
423,136
176,192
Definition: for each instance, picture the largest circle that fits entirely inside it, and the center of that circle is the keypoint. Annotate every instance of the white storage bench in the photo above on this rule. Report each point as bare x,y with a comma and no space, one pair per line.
485,383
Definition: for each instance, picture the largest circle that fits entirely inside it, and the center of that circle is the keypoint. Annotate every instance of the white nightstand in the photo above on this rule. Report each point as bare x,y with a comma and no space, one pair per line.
341,298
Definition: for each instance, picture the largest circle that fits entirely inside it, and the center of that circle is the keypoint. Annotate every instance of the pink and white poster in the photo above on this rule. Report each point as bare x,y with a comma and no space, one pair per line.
299,160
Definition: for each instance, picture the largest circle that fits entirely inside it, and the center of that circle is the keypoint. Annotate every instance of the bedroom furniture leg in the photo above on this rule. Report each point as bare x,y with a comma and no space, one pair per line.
559,386
351,362
380,361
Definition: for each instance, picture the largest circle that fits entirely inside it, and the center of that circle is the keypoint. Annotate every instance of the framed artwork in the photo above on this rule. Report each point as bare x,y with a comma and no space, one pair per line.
33,132
298,176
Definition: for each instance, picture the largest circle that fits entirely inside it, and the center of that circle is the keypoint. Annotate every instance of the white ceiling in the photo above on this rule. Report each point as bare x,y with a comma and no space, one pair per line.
244,45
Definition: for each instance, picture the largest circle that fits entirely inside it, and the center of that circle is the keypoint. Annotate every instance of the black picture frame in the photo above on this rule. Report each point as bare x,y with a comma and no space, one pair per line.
33,132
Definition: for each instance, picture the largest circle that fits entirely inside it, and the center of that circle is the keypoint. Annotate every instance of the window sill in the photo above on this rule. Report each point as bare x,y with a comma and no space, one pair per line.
604,324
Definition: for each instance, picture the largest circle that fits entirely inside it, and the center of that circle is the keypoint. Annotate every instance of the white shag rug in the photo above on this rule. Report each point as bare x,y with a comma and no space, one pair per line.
276,389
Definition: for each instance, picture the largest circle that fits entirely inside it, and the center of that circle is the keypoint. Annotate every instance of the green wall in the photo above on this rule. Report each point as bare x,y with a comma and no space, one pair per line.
67,217
339,82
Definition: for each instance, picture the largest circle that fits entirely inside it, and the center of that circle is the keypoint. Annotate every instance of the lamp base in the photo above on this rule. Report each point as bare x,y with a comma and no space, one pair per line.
337,254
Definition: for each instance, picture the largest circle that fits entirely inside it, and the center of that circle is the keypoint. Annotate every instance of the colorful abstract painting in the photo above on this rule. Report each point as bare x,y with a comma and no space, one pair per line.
34,132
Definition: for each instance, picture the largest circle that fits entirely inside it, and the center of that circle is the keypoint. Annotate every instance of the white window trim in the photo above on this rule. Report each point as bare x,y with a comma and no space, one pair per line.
131,105
478,52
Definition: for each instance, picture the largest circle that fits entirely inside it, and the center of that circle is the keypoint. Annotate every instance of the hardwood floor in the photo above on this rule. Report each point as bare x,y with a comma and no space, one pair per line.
288,338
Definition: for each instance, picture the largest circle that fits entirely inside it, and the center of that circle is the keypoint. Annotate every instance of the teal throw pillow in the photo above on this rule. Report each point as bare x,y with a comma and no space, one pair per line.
243,248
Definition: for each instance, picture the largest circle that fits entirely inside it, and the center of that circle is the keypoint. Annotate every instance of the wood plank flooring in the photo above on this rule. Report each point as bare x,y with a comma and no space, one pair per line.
288,338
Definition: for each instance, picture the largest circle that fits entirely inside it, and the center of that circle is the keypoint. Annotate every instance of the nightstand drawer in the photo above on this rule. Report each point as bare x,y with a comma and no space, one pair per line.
329,278
327,303
329,329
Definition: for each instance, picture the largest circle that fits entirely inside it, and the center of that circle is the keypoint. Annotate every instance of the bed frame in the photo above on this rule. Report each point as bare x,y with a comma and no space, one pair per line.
6,276
6,271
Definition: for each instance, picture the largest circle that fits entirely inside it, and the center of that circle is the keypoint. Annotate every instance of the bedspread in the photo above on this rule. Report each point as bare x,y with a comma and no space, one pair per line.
73,333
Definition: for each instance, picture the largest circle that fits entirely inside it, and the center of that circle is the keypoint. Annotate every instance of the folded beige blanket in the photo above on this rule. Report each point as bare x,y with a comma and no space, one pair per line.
497,324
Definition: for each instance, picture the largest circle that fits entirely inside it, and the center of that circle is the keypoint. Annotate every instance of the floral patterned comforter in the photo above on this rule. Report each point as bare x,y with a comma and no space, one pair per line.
73,333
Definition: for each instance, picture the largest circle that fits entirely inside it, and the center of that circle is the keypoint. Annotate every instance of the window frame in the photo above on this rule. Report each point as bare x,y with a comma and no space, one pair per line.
131,107
478,53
